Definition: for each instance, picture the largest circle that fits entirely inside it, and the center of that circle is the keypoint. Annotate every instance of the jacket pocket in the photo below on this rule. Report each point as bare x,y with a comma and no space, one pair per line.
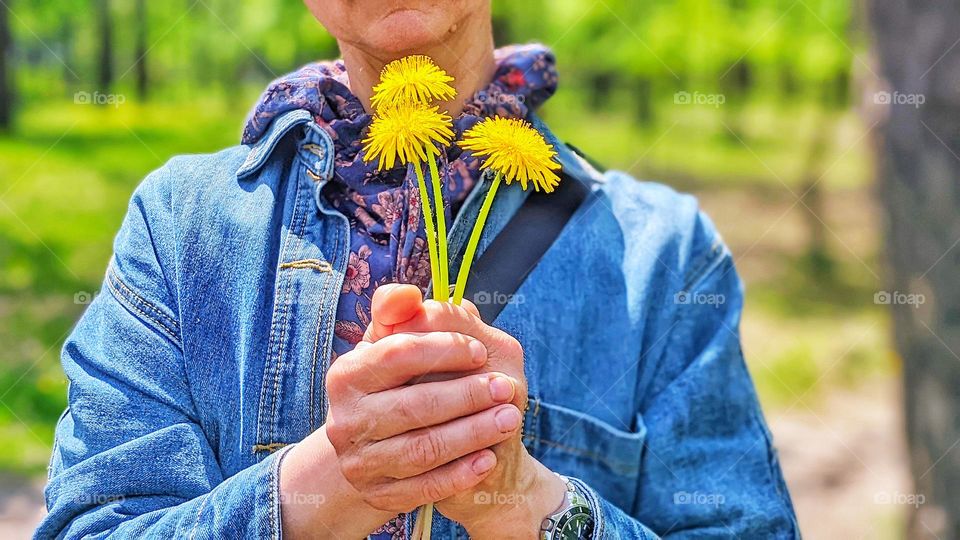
575,444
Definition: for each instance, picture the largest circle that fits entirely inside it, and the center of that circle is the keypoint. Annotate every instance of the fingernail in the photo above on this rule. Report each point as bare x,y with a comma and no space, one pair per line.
483,463
478,351
501,389
507,419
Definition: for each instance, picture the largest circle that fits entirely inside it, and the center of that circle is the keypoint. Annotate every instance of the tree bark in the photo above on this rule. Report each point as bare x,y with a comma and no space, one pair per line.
919,167
6,68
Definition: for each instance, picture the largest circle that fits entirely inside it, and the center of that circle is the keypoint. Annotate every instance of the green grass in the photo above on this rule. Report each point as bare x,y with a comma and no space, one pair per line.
67,176
67,173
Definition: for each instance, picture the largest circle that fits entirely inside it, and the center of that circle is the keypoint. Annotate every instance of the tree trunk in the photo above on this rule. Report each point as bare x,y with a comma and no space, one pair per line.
811,188
6,68
67,37
919,145
644,101
601,89
140,51
105,27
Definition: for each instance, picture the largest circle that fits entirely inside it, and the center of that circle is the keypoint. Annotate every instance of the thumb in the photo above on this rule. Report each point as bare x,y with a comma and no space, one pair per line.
392,304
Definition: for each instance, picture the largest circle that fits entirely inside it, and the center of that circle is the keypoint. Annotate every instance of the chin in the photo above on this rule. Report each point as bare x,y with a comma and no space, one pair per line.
408,31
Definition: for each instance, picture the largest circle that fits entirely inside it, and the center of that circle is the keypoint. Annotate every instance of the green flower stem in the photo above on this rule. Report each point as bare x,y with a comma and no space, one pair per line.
424,525
441,290
427,517
441,287
474,241
428,220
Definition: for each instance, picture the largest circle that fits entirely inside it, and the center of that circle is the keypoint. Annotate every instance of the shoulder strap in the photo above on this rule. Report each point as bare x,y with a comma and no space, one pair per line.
516,250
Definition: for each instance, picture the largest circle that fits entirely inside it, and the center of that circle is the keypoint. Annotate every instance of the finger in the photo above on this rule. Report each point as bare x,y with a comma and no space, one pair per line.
440,483
428,404
422,450
398,358
392,304
444,316
471,307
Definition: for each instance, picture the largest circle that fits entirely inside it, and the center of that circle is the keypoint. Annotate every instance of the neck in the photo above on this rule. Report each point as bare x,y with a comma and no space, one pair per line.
465,53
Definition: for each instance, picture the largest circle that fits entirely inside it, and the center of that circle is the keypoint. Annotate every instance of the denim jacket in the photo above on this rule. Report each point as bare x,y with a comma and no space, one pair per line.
203,356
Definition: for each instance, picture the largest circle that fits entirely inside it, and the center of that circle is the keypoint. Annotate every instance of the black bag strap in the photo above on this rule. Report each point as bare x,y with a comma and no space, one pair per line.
514,253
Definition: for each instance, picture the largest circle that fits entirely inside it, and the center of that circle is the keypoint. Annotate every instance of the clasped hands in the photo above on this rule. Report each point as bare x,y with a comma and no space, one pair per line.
426,409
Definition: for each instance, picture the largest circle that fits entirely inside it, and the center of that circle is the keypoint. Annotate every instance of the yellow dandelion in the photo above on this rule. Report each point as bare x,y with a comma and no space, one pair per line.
412,79
515,150
408,133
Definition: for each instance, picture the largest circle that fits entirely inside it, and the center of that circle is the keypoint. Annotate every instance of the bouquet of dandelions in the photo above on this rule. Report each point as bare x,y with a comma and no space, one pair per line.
409,128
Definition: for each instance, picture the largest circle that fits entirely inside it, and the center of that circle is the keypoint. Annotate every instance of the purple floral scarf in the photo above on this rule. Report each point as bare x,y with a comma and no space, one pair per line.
387,240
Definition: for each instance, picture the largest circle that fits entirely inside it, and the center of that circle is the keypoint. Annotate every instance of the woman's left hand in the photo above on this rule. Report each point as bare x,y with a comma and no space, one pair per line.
521,492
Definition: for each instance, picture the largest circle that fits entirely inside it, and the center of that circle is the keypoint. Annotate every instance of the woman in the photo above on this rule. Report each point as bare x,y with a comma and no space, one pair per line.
261,361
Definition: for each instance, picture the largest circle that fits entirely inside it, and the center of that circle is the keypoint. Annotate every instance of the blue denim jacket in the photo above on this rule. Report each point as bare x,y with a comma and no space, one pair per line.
204,355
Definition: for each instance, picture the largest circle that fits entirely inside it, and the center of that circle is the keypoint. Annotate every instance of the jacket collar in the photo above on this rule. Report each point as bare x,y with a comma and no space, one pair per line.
319,151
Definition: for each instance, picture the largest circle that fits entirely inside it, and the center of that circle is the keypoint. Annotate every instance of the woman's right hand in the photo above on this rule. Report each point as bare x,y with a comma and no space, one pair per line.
391,443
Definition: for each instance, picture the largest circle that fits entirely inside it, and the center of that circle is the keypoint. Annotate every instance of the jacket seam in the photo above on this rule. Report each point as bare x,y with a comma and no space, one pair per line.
620,468
196,523
775,478
136,303
279,319
279,311
706,263
147,305
266,424
297,230
675,320
311,406
316,342
273,485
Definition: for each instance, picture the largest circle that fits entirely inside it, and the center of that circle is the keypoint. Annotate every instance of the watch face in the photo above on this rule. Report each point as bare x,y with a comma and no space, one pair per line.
576,524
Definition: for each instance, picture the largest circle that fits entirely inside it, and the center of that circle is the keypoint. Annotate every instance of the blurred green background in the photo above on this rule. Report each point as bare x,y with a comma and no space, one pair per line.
751,104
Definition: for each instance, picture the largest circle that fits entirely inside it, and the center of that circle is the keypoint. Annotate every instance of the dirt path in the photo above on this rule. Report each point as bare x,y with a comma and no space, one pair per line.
21,507
845,463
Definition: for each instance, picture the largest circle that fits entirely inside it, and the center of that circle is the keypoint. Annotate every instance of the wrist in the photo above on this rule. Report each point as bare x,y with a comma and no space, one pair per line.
314,495
539,494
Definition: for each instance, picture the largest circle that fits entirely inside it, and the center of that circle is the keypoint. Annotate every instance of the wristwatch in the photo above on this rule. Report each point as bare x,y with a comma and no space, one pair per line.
573,520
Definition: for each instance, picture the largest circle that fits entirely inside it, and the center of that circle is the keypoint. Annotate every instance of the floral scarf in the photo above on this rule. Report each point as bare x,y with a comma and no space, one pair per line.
387,239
